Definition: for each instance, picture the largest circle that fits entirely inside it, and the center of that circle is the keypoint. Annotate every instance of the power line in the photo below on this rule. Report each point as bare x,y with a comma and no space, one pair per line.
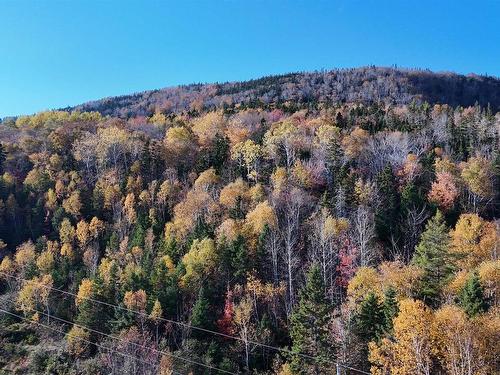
79,338
131,342
185,325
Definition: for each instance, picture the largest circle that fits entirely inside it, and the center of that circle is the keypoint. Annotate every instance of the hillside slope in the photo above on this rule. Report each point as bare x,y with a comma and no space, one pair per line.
360,85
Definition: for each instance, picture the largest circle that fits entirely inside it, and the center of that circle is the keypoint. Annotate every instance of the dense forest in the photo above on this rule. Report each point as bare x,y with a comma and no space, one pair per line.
339,222
367,85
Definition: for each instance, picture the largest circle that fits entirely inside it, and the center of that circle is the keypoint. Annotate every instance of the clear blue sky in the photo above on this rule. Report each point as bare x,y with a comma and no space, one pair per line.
59,53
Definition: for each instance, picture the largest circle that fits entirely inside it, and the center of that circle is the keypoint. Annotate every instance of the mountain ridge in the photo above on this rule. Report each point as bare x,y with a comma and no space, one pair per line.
352,85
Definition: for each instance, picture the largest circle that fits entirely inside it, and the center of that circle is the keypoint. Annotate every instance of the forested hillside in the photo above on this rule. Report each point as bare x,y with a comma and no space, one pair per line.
291,91
300,224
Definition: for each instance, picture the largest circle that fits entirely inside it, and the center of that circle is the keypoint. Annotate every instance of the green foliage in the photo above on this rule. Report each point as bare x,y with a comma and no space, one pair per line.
411,197
114,202
137,238
390,308
238,255
202,315
164,283
172,249
94,315
371,319
387,214
472,298
216,155
309,327
433,257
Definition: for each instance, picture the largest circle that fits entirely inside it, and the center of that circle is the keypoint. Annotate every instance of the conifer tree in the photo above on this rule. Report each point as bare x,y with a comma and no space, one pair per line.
309,327
171,248
91,314
387,215
219,152
370,321
390,308
432,256
201,315
239,257
472,298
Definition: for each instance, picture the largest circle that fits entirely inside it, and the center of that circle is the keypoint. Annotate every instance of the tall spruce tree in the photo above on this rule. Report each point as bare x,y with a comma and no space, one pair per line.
390,308
433,257
309,328
387,215
240,262
202,315
472,298
369,324
370,320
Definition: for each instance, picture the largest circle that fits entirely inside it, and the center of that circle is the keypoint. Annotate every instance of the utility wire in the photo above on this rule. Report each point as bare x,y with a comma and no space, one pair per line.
80,338
193,362
185,325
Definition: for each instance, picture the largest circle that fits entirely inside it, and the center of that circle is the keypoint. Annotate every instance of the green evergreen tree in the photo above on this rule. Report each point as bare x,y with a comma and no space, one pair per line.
202,315
410,197
113,242
472,298
219,152
237,212
369,324
146,160
309,327
433,257
137,237
170,247
387,215
215,155
261,263
240,262
94,315
370,320
165,285
460,141
110,291
390,308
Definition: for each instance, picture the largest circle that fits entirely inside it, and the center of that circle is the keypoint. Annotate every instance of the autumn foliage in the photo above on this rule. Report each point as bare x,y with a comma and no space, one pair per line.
305,232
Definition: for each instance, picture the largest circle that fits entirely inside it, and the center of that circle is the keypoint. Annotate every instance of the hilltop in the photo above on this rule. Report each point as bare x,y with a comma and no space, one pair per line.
358,85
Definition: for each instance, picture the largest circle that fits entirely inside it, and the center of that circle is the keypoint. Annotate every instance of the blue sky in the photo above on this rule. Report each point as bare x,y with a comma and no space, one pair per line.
58,53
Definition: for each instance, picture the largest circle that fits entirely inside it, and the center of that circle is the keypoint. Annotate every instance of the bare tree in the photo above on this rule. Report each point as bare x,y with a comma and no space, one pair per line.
323,250
272,246
140,355
413,225
292,208
364,232
386,148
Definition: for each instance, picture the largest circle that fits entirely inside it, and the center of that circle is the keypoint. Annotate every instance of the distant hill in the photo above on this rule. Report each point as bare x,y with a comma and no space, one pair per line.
360,85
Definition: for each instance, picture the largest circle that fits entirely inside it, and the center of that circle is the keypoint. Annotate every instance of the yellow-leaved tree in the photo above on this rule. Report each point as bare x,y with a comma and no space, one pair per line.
25,257
180,146
459,342
409,351
354,143
199,262
474,240
208,126
78,340
248,155
257,219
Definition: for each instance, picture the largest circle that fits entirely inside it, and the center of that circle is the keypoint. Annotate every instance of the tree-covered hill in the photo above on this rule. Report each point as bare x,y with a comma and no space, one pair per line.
366,85
276,226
